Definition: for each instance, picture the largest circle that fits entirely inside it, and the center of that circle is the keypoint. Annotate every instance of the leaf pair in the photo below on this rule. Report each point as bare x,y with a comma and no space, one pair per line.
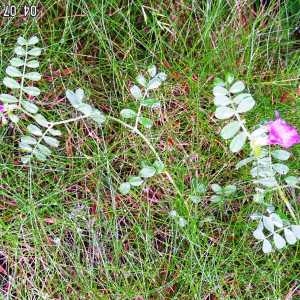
76,99
145,173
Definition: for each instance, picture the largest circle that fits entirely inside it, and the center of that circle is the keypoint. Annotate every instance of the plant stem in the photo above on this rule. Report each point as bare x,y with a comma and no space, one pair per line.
287,203
23,74
146,140
139,111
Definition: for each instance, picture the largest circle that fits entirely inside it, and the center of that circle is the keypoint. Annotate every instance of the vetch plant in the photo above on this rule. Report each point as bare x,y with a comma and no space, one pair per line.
42,135
269,172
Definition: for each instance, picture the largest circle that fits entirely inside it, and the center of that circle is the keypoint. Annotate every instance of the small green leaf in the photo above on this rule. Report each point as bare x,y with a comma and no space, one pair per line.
154,83
279,241
32,90
182,222
32,41
219,82
216,198
162,76
141,80
136,92
98,116
85,108
33,129
21,41
238,142
20,51
292,181
220,91
41,120
17,62
79,94
268,223
39,155
244,162
6,98
221,100
195,199
151,103
124,188
245,105
229,78
28,140
73,98
239,98
198,187
224,112
281,154
281,168
258,234
44,149
289,236
34,76
51,141
159,166
30,107
230,130
237,87
147,123
229,189
216,188
128,113
147,172
11,83
268,182
296,231
54,132
267,247
13,71
152,70
25,147
32,64
135,180
35,51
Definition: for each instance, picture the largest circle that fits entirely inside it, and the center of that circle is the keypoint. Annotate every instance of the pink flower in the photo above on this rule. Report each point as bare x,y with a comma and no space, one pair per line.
1,108
281,133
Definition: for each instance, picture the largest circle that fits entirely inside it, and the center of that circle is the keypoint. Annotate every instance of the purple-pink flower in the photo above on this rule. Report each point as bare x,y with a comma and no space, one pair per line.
281,133
1,108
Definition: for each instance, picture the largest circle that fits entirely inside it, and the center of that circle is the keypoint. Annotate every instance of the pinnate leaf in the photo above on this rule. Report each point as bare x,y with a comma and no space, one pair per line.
124,188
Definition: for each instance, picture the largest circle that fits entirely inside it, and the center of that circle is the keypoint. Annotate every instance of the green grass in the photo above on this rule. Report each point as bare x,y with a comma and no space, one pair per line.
66,233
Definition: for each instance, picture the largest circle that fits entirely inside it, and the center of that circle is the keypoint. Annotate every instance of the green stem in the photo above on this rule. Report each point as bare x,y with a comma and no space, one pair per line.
139,111
23,74
145,139
287,203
